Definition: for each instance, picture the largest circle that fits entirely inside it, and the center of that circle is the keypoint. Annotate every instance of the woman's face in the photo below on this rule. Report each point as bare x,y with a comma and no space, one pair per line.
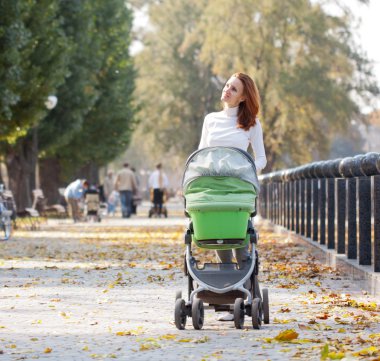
232,93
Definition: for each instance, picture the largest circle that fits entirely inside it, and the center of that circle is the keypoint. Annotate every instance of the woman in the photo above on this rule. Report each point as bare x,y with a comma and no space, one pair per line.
236,126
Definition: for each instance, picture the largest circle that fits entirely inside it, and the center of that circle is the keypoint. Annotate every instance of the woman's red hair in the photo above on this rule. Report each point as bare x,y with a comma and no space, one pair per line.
249,107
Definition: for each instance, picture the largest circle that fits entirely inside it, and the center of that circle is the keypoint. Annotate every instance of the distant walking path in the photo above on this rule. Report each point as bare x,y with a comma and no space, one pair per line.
107,291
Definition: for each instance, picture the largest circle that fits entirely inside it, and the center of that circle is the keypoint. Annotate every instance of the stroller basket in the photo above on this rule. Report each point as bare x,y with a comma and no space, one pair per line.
221,275
218,242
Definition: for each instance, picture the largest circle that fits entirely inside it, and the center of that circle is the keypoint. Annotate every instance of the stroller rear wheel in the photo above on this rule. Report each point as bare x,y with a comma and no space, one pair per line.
256,313
239,313
180,314
197,313
265,305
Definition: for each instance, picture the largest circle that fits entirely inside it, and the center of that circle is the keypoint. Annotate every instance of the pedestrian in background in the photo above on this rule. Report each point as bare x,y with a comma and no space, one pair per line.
108,188
74,192
137,198
126,185
158,184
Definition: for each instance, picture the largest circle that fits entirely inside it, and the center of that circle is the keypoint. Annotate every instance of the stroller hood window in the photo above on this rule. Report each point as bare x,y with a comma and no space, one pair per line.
220,162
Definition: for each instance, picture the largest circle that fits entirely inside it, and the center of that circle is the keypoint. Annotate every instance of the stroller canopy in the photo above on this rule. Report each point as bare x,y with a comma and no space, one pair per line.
220,162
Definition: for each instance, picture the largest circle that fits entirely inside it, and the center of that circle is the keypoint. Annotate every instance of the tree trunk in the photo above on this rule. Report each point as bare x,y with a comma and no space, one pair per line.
21,162
90,172
50,180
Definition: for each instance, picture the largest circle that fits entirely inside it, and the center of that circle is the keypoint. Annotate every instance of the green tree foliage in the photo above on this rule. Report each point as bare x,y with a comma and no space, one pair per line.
78,94
78,51
34,61
310,73
106,128
13,37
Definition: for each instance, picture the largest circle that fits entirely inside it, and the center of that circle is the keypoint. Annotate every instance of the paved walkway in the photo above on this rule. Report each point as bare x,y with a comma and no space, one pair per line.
106,291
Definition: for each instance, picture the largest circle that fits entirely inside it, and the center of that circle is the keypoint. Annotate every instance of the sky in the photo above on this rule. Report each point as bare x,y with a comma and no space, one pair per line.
369,31
368,35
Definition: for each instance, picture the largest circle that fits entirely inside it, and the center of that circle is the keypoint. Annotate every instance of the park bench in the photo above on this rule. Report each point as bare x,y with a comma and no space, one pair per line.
33,216
40,205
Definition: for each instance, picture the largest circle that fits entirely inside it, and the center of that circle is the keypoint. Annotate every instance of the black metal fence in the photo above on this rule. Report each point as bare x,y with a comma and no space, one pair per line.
334,202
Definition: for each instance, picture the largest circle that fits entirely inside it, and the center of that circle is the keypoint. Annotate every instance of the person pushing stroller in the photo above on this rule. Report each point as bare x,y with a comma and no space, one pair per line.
235,127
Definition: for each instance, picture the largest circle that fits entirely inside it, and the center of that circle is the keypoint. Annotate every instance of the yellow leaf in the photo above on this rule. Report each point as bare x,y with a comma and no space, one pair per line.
168,336
136,332
325,352
335,355
48,350
301,341
85,348
287,335
202,339
369,351
185,340
149,346
64,315
304,327
283,321
34,339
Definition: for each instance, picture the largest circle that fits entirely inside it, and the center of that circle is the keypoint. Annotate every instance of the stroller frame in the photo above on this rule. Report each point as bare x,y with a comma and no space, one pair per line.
238,286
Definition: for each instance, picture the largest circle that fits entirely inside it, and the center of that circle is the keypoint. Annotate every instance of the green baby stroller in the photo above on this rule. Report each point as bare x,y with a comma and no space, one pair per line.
220,187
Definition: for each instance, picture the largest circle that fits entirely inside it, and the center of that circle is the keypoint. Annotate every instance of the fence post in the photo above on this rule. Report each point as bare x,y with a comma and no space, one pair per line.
302,206
376,216
308,207
341,195
364,221
315,209
288,203
322,211
298,206
331,213
352,242
292,195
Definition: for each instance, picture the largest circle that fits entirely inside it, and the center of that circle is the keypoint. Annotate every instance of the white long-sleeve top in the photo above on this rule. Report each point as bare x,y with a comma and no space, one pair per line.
220,129
158,179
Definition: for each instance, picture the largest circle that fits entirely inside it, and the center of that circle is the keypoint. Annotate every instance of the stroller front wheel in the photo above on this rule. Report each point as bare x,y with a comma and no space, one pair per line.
180,314
197,313
265,305
256,313
239,313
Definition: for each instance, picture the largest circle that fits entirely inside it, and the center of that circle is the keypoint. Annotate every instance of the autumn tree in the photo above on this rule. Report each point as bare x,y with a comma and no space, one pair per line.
174,89
309,71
